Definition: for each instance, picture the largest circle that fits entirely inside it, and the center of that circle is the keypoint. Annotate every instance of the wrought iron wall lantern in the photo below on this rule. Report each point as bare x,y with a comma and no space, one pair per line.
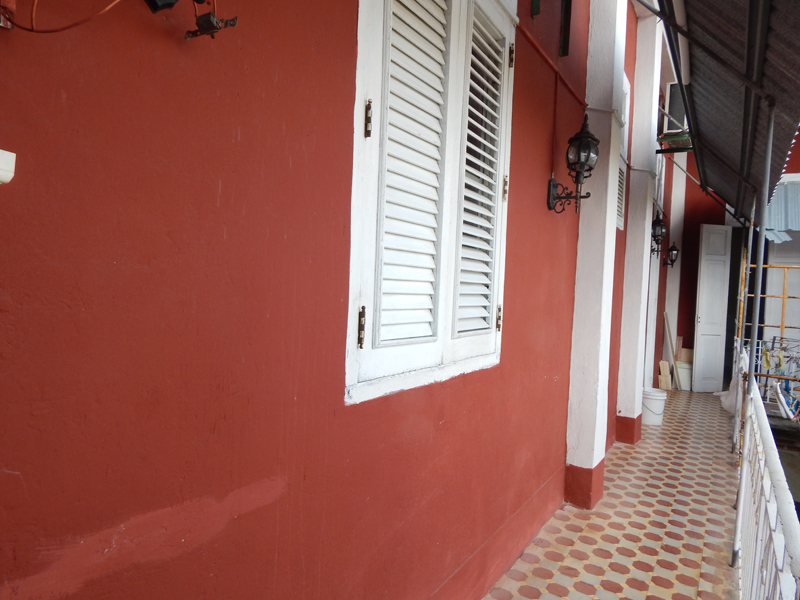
658,231
582,155
671,257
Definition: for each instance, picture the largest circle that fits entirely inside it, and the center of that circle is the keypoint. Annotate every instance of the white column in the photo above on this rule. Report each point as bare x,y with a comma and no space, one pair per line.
594,277
640,215
633,327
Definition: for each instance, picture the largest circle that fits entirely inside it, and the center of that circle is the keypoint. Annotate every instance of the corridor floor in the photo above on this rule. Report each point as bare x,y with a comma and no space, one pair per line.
664,528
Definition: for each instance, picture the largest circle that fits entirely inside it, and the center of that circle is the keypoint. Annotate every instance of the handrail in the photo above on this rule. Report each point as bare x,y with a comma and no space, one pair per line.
767,540
783,495
779,267
781,377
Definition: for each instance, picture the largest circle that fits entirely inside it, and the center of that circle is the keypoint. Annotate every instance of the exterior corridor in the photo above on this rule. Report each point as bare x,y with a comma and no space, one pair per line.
664,528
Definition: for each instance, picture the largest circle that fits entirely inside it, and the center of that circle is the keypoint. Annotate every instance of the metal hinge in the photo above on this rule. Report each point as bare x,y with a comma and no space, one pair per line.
505,187
499,322
511,53
362,326
368,119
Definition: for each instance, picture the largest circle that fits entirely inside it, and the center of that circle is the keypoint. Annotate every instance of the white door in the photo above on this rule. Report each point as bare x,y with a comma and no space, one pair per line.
712,308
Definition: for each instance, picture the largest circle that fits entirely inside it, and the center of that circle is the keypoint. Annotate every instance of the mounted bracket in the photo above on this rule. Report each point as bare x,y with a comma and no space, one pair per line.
209,24
558,197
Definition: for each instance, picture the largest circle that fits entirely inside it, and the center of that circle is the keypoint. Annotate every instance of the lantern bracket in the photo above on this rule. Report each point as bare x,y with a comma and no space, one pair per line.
658,231
559,197
210,24
582,155
671,256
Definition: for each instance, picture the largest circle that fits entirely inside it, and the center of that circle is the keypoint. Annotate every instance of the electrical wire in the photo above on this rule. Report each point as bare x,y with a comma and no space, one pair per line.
32,28
33,14
213,7
6,13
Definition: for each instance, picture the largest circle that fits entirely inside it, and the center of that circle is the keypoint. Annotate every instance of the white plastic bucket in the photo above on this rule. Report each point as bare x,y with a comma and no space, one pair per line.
653,404
685,375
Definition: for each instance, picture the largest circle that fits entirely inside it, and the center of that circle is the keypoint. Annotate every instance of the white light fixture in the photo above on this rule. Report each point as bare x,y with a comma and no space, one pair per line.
582,155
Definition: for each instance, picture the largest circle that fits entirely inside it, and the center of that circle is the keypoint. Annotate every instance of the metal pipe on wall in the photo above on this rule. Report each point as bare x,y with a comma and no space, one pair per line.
748,262
737,416
751,378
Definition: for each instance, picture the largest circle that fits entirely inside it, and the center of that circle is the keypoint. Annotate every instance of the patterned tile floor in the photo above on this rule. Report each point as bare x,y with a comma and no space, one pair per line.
664,528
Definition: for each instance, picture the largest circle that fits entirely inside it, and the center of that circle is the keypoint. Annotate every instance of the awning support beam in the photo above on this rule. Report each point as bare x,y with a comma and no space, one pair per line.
716,57
674,50
763,199
714,197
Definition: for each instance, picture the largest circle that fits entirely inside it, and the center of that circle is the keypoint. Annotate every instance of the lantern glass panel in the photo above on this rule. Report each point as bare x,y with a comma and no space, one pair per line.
573,157
659,230
591,154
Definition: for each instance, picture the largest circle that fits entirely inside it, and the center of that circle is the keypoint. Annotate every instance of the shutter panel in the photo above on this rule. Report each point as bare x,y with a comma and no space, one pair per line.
481,179
621,198
411,182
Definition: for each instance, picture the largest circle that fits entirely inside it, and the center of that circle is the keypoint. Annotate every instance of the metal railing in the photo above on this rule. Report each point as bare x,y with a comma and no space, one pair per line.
783,297
767,374
740,364
769,549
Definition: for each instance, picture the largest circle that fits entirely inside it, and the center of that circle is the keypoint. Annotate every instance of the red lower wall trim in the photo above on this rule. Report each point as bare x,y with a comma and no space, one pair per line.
629,429
495,556
584,487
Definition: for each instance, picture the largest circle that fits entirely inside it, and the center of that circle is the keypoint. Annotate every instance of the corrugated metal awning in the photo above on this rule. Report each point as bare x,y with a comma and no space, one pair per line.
783,212
777,236
740,52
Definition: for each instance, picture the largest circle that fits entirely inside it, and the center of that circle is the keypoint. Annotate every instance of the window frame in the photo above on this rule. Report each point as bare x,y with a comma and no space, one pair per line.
380,369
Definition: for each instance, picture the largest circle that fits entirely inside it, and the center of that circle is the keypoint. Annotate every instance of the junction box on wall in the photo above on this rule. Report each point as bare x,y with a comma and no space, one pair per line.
8,161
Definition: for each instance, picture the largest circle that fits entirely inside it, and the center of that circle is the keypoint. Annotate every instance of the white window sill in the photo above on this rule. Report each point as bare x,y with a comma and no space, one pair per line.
367,390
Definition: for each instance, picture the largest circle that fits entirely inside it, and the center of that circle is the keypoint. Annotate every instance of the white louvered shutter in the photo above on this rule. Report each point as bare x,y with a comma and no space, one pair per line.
482,177
621,197
428,211
409,246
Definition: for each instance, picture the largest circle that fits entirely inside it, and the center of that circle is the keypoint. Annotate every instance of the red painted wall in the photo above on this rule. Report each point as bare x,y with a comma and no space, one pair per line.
545,30
619,252
699,209
173,298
